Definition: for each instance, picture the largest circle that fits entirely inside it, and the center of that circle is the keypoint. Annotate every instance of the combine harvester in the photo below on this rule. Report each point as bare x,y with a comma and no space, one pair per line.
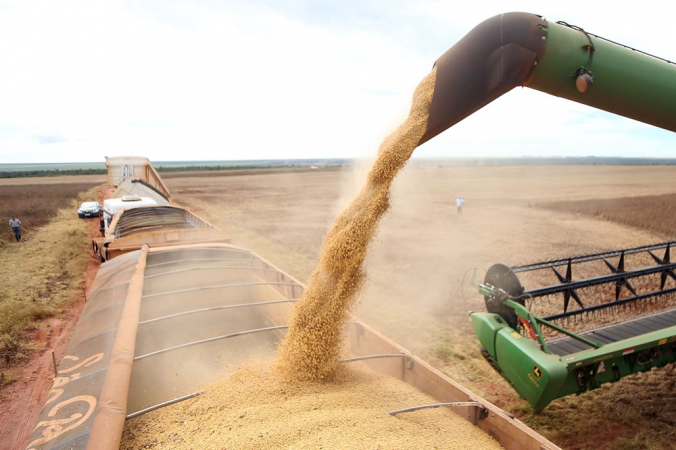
161,322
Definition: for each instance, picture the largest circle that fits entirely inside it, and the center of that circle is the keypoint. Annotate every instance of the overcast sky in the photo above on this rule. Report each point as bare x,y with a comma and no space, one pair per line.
255,79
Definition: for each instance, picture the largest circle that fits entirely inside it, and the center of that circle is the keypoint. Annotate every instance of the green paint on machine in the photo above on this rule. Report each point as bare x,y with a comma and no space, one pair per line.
551,376
542,370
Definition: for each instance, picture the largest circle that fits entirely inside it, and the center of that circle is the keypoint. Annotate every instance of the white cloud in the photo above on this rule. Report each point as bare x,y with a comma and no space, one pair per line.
191,80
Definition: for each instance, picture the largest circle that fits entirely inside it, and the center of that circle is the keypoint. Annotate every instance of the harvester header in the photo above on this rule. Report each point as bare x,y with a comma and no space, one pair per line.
579,332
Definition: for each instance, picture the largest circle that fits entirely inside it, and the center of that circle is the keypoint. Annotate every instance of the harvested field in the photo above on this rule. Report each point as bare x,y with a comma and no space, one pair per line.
424,250
654,212
241,172
35,205
66,179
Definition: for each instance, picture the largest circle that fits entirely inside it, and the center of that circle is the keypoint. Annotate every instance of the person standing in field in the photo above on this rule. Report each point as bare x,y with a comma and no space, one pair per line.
458,202
15,224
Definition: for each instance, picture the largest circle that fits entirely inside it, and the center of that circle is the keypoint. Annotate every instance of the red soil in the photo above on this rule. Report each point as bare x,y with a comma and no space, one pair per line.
23,399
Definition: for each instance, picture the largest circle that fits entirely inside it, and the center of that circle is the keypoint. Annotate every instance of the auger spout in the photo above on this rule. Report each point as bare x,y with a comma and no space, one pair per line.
520,49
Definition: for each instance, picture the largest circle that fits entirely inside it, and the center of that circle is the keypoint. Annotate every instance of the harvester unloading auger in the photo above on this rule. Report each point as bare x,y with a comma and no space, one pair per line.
518,49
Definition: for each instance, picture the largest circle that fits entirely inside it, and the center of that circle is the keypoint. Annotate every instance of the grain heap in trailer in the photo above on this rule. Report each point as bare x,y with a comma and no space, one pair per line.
163,322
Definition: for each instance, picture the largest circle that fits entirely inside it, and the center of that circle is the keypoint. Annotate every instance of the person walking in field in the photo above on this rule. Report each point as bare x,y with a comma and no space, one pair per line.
15,224
458,202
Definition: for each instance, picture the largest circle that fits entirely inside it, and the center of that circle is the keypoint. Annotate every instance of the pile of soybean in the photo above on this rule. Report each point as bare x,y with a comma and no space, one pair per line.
255,408
306,400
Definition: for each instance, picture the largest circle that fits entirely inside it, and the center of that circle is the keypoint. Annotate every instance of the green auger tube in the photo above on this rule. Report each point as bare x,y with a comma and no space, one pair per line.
520,49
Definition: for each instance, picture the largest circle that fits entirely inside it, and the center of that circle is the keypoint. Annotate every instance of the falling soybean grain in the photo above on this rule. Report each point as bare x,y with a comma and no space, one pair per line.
311,348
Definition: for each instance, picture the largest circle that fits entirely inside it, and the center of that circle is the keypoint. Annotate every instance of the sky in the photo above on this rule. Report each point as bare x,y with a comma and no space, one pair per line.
177,80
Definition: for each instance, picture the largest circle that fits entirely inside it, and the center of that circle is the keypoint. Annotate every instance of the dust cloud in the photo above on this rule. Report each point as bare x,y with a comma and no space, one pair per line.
416,264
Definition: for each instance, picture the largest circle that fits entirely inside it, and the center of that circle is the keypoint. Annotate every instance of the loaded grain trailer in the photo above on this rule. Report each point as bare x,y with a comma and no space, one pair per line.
161,323
111,207
154,226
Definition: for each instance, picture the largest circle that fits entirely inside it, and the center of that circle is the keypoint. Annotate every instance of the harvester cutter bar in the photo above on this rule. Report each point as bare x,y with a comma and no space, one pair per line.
615,333
612,304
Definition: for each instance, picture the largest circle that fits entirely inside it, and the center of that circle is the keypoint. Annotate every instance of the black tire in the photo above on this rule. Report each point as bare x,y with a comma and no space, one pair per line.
97,251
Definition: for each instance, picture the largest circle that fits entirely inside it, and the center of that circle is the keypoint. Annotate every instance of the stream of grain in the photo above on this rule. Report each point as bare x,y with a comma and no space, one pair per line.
312,345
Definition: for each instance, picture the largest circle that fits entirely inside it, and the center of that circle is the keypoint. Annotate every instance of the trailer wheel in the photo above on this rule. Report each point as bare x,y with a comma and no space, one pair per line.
97,251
